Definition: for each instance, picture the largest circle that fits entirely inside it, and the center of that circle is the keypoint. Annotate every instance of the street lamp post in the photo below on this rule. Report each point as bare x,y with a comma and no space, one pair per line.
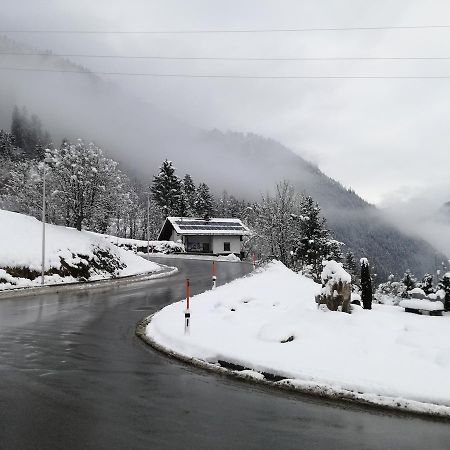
43,225
148,223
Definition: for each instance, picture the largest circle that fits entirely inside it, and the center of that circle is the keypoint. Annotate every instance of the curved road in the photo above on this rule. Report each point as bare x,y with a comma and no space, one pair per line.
74,376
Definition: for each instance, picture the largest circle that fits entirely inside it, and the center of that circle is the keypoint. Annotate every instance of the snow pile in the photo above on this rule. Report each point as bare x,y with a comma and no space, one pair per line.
269,322
70,256
417,291
230,258
425,305
138,245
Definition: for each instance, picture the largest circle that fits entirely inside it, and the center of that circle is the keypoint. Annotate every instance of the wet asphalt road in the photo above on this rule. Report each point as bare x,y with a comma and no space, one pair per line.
74,376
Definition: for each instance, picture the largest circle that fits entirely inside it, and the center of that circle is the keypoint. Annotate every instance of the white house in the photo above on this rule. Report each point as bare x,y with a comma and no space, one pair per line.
215,236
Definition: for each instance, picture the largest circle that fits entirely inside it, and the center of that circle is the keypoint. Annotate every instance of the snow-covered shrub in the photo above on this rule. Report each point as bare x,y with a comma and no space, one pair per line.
389,293
140,246
336,287
408,284
444,286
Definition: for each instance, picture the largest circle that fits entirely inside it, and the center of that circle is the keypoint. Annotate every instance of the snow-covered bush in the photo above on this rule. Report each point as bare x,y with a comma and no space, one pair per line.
444,286
140,246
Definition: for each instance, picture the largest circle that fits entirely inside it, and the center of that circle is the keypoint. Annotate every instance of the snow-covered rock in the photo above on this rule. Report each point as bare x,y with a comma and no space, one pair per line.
336,287
335,272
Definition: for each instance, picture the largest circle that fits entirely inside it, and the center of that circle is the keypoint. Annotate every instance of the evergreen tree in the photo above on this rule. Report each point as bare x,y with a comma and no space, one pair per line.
408,283
444,284
28,133
166,189
350,265
366,284
427,284
189,192
204,202
8,147
314,243
18,127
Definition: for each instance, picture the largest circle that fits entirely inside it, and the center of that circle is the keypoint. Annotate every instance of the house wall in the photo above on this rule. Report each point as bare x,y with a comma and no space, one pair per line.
175,236
195,243
218,241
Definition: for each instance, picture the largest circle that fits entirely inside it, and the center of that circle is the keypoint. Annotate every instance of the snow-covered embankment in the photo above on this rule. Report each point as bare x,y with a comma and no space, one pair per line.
70,255
268,322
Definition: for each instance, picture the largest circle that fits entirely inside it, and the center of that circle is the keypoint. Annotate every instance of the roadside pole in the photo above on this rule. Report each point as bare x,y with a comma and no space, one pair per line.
148,223
187,314
43,226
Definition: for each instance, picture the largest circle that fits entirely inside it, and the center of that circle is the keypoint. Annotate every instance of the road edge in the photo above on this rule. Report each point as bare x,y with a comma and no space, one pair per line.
409,408
106,283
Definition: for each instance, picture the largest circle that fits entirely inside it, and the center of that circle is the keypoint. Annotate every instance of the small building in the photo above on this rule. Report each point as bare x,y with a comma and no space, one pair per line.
214,236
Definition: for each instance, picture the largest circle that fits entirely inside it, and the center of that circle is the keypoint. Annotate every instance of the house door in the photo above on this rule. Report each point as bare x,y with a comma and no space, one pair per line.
206,247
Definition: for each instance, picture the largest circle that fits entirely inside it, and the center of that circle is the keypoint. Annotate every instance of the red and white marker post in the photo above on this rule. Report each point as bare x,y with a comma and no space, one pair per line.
214,278
254,261
187,313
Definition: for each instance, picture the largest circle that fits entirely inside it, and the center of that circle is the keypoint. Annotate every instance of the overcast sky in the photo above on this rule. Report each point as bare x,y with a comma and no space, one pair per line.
384,138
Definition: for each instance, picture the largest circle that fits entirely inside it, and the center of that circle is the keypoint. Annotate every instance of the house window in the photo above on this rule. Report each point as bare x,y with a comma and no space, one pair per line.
226,246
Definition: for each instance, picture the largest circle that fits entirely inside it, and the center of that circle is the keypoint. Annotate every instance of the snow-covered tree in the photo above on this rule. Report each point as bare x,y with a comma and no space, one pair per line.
22,190
351,266
314,242
166,189
366,284
408,283
8,148
204,202
426,284
444,284
276,224
230,206
83,184
390,291
189,192
28,133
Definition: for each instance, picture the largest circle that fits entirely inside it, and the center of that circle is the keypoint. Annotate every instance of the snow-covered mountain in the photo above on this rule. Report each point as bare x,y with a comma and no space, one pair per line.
141,136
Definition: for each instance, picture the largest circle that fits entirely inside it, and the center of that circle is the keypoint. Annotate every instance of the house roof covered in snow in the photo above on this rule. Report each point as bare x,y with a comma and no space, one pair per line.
194,226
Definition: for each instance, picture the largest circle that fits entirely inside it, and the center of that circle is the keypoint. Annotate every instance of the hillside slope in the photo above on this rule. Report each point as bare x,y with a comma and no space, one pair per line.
71,255
141,136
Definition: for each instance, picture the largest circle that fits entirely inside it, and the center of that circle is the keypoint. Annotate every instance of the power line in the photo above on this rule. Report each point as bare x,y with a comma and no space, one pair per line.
229,76
224,31
226,58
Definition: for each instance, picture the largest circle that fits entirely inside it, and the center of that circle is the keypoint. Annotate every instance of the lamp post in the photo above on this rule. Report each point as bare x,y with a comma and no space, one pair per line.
148,224
43,223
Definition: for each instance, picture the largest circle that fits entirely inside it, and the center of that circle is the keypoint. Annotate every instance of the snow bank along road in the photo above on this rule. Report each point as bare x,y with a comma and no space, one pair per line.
73,375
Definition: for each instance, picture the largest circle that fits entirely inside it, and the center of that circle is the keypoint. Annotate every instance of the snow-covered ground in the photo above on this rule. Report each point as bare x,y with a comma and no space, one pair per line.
138,245
20,252
220,258
269,322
